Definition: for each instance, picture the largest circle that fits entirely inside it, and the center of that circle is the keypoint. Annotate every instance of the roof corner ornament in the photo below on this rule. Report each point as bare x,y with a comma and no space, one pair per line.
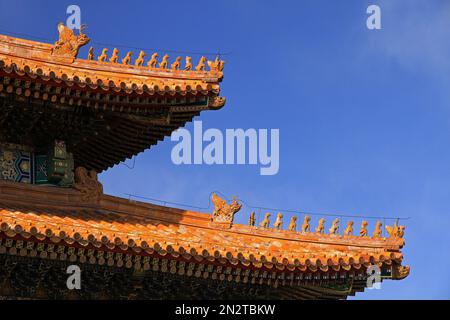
87,183
395,231
321,226
165,62
252,220
363,229
217,102
201,66
400,272
91,53
279,221
104,55
306,226
115,56
188,64
377,233
153,61
127,59
68,43
217,65
334,229
266,221
223,214
140,60
177,64
293,224
349,230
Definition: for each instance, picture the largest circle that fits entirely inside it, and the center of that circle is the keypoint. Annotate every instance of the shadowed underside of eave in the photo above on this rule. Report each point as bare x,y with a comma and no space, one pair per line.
35,278
100,133
105,112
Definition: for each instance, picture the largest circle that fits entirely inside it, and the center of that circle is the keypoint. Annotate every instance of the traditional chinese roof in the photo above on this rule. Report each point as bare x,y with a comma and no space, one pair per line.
62,219
106,109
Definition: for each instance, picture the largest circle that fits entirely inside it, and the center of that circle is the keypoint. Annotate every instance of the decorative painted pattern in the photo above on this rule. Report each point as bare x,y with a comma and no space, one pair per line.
41,176
16,164
19,164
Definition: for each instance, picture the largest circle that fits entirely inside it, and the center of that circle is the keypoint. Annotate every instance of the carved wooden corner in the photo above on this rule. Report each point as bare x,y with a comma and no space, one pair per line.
400,272
87,183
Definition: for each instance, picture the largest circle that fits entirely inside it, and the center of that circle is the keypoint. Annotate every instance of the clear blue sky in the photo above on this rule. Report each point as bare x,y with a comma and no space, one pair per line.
363,115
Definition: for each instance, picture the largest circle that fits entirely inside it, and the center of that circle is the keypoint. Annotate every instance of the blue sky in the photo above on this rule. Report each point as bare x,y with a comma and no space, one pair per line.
363,115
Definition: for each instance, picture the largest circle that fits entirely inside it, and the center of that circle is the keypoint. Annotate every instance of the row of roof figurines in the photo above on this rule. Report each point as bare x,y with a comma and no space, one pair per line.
216,65
396,230
69,43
